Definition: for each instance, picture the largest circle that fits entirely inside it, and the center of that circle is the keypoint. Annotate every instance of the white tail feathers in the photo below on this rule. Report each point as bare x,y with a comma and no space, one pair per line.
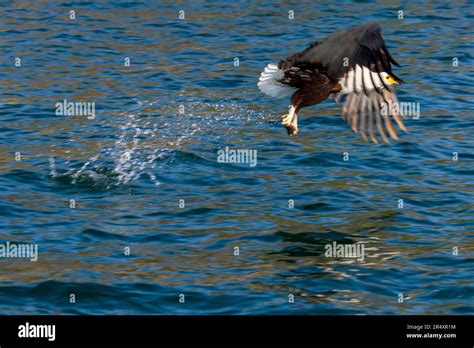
269,84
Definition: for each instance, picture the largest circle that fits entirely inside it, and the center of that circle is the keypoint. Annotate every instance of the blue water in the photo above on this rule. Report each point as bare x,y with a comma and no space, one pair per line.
159,124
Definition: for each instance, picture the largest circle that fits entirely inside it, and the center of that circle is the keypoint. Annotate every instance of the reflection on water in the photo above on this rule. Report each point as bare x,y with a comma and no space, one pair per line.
144,173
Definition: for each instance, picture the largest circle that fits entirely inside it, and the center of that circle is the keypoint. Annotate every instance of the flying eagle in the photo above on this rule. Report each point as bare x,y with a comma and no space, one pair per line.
354,64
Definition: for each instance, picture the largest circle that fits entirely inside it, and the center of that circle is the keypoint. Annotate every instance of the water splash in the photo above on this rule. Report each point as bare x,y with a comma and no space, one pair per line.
148,137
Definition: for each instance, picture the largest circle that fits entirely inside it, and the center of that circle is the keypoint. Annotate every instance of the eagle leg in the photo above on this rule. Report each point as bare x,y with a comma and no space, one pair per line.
290,121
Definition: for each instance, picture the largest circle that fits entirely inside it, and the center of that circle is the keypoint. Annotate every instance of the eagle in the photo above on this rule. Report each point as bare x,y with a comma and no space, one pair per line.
353,65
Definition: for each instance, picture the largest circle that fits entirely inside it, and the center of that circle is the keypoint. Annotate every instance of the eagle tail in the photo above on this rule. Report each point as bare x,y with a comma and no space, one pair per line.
269,82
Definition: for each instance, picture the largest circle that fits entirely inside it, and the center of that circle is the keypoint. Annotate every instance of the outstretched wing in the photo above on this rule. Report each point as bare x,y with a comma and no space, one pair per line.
338,54
359,60
366,113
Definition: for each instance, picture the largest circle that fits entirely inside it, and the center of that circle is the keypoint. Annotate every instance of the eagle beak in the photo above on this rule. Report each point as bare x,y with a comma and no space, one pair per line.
391,80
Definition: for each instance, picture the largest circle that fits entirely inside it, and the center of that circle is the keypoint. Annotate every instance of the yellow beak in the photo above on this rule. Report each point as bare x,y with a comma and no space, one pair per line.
391,80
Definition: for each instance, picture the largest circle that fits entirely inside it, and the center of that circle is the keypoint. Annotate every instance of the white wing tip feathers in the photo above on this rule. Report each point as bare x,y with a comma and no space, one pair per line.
372,113
361,79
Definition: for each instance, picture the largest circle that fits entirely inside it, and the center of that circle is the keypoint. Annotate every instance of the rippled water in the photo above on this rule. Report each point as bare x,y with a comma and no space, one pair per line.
153,146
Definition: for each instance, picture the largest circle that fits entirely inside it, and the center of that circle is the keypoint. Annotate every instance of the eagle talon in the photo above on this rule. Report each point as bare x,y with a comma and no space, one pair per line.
291,129
290,122
286,120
